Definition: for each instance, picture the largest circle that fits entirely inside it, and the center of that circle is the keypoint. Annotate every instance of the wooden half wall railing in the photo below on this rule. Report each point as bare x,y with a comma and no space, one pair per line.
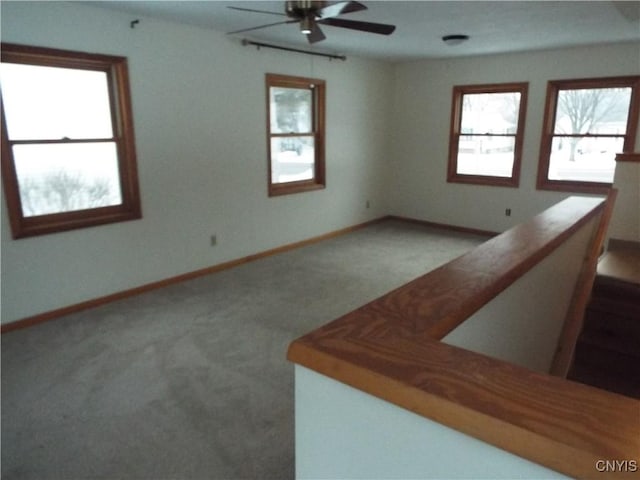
573,323
391,348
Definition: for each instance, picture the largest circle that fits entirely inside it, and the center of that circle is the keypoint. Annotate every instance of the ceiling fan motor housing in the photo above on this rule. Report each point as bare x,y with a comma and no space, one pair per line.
299,9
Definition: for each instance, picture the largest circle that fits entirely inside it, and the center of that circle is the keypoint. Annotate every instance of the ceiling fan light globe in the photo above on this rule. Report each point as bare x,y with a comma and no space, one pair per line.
305,26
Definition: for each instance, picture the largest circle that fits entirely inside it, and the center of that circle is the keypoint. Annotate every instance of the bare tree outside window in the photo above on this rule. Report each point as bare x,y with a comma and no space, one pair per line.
68,152
587,123
590,112
66,178
64,191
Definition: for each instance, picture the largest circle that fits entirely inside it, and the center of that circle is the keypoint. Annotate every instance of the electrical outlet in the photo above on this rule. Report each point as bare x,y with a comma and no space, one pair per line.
368,204
507,212
214,240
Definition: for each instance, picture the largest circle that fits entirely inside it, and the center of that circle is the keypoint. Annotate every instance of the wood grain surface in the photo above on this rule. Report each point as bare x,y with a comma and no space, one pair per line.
565,350
391,348
628,157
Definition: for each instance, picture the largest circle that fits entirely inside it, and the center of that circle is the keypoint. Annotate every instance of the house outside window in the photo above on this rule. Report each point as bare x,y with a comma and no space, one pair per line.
68,154
487,130
295,134
586,123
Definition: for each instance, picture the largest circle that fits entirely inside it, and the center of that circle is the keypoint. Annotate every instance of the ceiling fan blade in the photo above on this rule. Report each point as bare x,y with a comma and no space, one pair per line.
316,34
255,11
261,26
380,28
340,8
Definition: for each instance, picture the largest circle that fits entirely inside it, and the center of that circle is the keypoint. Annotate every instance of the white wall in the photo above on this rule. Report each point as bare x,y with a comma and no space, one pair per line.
625,221
420,131
342,432
516,326
199,113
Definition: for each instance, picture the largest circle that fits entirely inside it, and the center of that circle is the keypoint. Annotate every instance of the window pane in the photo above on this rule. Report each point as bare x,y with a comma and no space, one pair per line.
292,159
595,111
291,110
45,103
67,177
482,155
490,112
584,159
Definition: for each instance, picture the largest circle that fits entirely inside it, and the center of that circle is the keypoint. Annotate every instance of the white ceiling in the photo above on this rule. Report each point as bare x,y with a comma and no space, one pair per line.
494,27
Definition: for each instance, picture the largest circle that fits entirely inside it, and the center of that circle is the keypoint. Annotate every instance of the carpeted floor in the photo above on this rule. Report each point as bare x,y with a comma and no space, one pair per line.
191,381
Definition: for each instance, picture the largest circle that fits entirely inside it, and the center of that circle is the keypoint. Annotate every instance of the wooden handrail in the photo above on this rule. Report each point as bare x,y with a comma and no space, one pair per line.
581,294
391,348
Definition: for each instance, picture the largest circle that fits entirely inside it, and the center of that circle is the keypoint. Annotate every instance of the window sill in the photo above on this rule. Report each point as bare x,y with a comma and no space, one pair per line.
294,187
484,180
628,157
62,222
592,188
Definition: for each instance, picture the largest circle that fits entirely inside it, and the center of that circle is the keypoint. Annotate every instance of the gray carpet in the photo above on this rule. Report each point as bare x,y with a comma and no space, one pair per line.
191,381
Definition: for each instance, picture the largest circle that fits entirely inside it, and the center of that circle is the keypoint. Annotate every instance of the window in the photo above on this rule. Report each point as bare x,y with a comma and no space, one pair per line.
295,134
586,123
487,129
68,155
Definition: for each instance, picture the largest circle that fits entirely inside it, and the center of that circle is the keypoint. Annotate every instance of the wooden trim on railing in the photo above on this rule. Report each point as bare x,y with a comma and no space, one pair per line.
390,348
565,350
562,425
434,304
628,157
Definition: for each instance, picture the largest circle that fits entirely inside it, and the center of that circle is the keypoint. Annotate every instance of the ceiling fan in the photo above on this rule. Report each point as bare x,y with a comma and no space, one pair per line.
310,14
